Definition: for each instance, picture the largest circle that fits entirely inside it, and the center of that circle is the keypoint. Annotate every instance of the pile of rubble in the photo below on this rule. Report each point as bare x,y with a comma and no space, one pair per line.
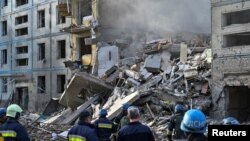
160,76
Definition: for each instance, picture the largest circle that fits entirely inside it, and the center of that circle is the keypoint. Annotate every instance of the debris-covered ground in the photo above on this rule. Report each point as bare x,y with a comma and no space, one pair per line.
162,74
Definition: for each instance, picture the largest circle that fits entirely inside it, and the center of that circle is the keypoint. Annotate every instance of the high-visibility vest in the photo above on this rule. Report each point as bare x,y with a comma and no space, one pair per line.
76,138
105,125
8,134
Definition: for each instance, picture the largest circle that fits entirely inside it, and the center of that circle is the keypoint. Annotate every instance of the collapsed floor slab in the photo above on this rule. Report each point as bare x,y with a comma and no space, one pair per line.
80,81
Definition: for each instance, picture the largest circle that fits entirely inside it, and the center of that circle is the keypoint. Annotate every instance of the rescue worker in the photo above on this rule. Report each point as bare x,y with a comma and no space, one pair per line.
83,131
175,123
2,120
12,130
230,121
3,116
135,131
120,120
104,127
194,125
125,119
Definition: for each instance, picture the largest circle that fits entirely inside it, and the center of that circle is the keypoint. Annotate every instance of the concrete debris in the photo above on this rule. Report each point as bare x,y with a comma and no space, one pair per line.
183,53
82,85
140,81
153,63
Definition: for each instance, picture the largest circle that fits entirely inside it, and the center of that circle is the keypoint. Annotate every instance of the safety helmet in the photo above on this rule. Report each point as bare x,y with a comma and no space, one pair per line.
178,108
125,106
103,112
230,121
13,110
2,112
194,121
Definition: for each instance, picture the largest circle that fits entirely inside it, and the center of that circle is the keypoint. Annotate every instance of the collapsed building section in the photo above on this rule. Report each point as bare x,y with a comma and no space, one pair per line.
230,69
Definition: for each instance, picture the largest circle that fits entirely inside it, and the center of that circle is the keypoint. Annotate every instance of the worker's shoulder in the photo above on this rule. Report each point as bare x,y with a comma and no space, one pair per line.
138,126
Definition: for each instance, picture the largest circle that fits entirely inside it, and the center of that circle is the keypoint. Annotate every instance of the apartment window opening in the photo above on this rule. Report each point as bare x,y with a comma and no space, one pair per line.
41,86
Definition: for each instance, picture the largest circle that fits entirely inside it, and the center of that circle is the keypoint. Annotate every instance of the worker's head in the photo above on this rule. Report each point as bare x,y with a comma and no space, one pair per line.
125,107
230,121
2,115
178,108
194,121
103,113
133,114
14,111
85,116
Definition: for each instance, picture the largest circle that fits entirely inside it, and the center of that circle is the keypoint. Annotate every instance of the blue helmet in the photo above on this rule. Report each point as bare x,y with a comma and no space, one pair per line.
178,108
125,106
194,121
103,112
2,112
230,121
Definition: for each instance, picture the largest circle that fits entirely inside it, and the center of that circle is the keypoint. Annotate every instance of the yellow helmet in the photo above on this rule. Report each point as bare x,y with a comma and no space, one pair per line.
13,109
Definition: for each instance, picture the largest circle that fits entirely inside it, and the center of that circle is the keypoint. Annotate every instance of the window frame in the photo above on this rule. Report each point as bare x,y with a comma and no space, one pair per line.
41,18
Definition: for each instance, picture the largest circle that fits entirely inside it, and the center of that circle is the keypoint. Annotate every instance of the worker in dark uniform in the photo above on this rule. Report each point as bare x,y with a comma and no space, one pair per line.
135,131
3,116
230,121
124,120
104,127
3,119
120,120
12,130
194,125
175,123
83,131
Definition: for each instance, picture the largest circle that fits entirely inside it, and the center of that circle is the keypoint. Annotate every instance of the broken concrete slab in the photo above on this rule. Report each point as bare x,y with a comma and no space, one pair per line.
152,82
115,108
145,75
183,53
132,82
68,116
132,74
153,63
107,57
80,81
190,73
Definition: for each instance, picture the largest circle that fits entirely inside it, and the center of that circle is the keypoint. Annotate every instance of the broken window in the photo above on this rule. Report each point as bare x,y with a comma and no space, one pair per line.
21,2
4,28
61,47
61,80
41,19
41,85
5,3
22,31
4,85
239,17
21,19
4,57
22,62
238,39
22,50
41,51
60,19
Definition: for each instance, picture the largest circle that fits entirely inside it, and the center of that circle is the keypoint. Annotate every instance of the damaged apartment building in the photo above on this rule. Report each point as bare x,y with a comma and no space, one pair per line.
230,67
92,27
32,52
